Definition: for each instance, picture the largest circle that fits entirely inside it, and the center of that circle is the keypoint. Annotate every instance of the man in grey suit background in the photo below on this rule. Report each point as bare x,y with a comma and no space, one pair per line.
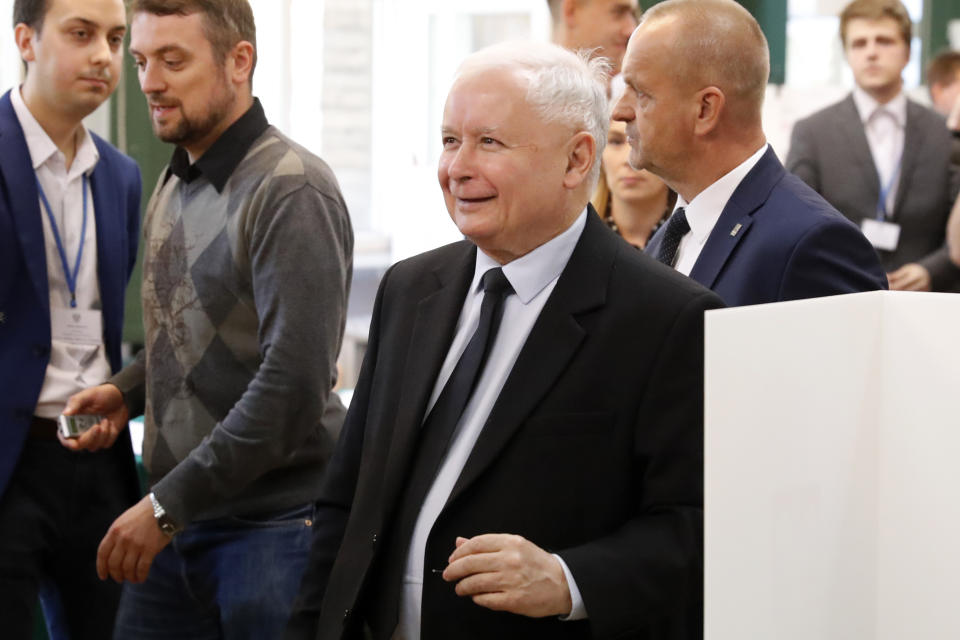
881,159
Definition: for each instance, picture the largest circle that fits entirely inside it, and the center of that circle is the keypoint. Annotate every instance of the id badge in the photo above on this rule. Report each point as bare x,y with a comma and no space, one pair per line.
77,326
881,234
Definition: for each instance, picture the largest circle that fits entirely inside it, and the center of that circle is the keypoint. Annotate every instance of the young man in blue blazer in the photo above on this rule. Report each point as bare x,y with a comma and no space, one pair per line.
69,223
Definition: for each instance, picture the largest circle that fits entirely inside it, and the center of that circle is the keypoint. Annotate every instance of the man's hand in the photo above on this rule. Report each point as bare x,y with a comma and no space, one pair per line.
953,231
105,400
509,573
131,543
909,277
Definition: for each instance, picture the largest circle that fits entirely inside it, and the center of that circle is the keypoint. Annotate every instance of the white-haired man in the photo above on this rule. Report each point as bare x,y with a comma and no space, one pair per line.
523,454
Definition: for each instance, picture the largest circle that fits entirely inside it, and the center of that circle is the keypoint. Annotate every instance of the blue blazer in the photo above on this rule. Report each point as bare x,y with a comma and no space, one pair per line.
777,239
24,295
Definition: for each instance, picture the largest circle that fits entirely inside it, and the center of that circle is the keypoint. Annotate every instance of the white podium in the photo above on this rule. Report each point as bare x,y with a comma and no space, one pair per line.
832,477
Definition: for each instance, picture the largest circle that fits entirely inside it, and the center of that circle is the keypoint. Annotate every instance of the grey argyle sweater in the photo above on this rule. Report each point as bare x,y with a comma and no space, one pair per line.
244,298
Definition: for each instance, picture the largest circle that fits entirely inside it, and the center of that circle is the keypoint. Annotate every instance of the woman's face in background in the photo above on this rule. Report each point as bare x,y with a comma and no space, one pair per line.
625,182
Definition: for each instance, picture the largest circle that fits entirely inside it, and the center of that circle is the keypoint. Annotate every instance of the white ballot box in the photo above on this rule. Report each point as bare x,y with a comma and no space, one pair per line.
832,469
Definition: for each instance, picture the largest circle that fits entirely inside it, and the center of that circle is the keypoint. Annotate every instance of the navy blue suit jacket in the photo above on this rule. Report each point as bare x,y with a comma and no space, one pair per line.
777,239
24,295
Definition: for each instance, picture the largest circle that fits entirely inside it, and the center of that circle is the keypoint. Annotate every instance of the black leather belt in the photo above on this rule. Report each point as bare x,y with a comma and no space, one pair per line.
43,428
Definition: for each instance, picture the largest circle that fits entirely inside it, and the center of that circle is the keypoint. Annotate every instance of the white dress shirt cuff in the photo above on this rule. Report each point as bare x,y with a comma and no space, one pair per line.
579,610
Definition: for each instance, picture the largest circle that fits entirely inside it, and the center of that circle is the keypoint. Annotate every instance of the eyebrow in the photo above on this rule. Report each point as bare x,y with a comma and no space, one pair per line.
168,48
93,25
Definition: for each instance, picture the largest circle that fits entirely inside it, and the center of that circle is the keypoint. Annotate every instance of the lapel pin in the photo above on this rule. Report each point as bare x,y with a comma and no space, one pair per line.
736,230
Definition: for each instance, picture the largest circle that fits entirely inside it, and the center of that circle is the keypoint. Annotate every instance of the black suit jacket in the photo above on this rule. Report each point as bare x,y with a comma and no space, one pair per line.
593,450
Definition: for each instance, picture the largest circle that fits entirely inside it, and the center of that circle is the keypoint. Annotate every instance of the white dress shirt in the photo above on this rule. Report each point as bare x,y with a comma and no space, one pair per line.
705,209
533,278
72,367
884,126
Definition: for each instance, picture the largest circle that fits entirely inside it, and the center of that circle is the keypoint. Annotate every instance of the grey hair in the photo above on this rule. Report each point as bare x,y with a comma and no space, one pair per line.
562,86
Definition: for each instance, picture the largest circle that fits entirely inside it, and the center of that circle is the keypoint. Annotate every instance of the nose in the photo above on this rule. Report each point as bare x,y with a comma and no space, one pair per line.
101,53
459,165
151,80
623,109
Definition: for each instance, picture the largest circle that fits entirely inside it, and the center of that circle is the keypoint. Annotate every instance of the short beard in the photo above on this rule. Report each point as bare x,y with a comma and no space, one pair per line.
191,130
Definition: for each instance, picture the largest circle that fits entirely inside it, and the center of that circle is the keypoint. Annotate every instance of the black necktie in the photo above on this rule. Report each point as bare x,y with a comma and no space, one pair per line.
434,440
677,227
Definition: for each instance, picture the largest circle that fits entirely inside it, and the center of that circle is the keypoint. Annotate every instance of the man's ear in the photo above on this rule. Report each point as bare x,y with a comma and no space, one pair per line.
581,154
25,36
709,109
241,58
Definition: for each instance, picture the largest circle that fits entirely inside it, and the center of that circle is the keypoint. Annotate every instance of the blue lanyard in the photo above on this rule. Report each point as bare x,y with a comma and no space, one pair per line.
885,191
71,277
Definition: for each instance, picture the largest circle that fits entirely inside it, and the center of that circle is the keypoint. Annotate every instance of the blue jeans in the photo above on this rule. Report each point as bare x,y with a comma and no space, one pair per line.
232,578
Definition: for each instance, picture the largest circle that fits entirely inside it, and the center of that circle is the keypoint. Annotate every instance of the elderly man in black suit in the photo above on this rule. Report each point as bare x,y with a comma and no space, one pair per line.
523,454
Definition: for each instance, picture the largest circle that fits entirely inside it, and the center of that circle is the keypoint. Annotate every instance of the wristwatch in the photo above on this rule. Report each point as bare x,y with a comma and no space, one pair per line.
164,521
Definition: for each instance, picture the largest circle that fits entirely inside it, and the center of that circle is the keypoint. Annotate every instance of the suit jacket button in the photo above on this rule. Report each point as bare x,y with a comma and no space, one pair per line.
3,317
346,615
374,539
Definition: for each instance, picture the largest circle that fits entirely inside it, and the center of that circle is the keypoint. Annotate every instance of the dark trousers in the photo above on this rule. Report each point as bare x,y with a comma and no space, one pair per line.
53,514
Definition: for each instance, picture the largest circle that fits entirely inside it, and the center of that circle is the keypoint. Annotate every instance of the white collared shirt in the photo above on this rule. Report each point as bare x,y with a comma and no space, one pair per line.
71,367
705,209
533,277
885,128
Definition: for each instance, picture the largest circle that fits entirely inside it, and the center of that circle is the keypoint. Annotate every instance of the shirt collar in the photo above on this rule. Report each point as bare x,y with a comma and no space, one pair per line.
42,149
223,156
704,210
530,273
866,106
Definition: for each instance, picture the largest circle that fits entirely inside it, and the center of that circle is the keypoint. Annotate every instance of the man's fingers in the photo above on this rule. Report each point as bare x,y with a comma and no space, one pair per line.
481,583
115,562
485,543
469,565
103,552
130,563
143,567
90,440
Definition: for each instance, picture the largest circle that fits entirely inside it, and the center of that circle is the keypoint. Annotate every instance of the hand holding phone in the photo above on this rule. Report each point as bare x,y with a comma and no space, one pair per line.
76,425
103,416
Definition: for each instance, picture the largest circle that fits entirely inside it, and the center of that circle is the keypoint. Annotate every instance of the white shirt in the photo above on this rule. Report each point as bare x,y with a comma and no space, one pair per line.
533,278
884,126
705,209
71,367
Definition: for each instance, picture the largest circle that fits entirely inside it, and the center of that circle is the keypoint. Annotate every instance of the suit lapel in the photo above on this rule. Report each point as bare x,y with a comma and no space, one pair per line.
110,225
17,174
735,219
433,329
912,144
552,343
853,130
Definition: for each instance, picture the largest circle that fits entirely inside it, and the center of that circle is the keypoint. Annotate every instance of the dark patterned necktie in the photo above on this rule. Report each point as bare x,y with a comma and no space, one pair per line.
677,227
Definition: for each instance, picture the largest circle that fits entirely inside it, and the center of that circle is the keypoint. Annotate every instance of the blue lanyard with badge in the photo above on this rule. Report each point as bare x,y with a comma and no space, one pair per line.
74,326
881,233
